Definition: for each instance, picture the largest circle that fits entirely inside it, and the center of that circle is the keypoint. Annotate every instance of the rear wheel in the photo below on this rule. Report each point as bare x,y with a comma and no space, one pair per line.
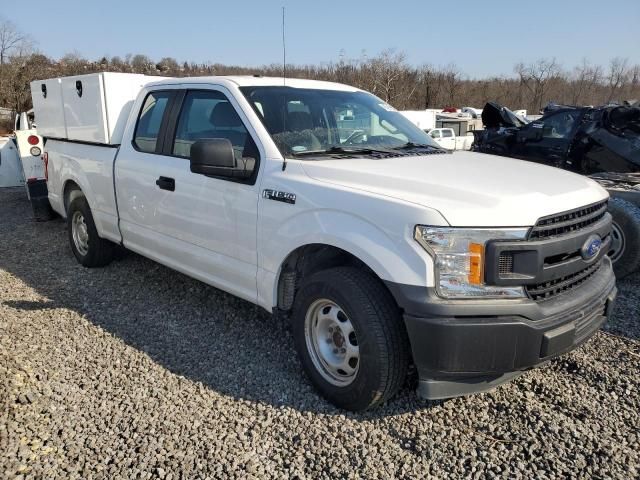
350,337
625,237
88,248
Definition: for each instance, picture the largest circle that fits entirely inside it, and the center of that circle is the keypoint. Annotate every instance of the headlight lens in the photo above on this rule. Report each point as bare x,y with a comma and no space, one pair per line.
459,259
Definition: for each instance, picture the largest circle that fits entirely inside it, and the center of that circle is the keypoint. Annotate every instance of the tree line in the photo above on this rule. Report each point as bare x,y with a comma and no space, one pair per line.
387,74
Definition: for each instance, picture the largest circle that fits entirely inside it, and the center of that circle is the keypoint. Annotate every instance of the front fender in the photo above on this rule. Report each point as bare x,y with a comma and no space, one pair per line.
392,255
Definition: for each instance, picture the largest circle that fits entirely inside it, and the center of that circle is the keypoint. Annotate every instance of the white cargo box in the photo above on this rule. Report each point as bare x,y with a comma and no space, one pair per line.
88,108
48,106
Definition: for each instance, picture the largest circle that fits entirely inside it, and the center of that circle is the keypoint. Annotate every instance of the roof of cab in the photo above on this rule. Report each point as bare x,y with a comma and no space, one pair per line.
252,81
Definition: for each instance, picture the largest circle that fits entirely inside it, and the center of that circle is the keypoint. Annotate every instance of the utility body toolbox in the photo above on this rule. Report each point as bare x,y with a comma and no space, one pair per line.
87,108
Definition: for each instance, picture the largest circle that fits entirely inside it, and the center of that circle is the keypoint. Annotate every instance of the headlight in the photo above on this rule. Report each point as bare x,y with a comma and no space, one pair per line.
459,260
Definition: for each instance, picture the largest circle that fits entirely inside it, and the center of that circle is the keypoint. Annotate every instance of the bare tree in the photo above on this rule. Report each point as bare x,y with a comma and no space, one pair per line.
634,84
617,76
429,84
22,71
116,64
11,40
452,78
141,63
387,75
168,65
75,64
386,70
586,78
535,78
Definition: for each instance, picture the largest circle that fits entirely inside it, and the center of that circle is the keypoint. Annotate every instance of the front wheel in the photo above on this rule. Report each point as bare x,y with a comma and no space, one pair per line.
350,337
87,246
625,237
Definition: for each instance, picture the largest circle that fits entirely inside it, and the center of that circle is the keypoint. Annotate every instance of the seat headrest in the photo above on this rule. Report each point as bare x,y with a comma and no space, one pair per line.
224,115
299,121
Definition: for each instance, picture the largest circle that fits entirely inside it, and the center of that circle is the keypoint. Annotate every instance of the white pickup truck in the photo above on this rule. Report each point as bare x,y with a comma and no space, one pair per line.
447,138
382,248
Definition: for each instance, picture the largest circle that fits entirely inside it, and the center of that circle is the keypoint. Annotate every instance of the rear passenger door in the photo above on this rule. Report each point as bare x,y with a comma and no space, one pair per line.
203,226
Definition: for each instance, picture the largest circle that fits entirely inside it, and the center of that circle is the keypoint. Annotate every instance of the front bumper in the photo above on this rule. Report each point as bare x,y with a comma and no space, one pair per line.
468,346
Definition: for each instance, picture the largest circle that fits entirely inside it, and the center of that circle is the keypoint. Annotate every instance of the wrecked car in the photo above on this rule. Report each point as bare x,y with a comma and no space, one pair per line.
602,142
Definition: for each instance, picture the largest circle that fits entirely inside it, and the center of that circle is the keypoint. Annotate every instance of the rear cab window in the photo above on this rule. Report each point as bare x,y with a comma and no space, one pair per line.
145,138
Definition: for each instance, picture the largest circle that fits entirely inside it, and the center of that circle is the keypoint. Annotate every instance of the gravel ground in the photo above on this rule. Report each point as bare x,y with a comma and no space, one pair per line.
136,371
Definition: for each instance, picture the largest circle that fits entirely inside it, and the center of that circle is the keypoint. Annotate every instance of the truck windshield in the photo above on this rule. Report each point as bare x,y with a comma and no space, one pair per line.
315,121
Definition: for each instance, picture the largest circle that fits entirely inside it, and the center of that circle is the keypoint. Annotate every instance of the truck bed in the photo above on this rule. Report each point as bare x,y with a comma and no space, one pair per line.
68,160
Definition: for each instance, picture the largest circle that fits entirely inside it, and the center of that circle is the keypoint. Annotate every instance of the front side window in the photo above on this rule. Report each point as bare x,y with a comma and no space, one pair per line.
559,125
149,121
207,115
303,121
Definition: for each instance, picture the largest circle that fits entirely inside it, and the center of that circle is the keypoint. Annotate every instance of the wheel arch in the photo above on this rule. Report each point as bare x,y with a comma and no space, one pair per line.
310,258
69,188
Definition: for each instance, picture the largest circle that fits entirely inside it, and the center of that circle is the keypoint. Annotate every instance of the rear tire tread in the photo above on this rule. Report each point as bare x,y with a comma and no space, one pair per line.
100,250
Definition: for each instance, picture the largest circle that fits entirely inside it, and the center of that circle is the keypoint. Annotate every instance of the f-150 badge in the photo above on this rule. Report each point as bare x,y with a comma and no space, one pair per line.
279,196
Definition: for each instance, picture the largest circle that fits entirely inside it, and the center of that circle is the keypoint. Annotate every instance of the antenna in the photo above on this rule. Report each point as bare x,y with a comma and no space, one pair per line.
284,93
284,53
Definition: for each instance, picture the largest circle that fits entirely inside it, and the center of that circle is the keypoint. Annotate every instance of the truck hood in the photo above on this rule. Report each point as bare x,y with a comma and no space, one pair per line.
468,189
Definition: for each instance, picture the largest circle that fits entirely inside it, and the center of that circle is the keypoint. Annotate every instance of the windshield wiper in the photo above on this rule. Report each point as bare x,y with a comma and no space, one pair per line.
409,145
335,150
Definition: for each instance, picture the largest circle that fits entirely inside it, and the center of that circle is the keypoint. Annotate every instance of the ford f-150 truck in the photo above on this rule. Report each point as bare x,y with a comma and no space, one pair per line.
382,248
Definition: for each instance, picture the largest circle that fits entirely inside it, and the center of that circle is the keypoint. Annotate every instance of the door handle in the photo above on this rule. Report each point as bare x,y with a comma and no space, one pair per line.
166,183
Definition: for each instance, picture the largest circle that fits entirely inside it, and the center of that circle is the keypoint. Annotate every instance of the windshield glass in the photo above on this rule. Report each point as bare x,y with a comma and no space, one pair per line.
303,121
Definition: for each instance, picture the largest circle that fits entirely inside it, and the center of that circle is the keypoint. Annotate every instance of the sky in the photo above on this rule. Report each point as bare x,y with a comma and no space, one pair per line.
482,38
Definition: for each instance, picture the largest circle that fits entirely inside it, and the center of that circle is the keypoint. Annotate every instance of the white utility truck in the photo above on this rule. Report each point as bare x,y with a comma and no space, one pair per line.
29,147
382,248
21,164
29,144
17,154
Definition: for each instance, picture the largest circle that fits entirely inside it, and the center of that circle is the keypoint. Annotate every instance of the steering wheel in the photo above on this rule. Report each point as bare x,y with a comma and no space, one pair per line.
355,135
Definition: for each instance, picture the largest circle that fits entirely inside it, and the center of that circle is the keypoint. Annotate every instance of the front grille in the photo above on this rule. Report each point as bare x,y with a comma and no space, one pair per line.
567,222
552,288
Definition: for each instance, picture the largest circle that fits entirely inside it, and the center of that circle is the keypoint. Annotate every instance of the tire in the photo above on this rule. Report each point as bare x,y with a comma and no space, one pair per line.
321,305
89,249
625,246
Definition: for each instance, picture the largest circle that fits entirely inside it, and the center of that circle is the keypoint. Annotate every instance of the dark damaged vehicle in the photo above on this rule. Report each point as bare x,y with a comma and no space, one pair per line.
602,142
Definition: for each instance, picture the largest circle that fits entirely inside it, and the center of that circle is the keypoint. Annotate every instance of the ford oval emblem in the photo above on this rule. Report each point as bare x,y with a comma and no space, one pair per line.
591,247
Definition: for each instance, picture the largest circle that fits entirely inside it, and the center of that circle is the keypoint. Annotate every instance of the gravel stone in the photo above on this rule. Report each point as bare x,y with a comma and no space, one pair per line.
136,371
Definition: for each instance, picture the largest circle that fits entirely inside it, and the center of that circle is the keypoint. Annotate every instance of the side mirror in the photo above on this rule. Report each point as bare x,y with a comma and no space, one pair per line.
214,157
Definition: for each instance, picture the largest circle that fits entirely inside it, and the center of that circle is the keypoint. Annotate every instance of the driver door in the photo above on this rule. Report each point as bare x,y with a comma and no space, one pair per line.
552,144
200,225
